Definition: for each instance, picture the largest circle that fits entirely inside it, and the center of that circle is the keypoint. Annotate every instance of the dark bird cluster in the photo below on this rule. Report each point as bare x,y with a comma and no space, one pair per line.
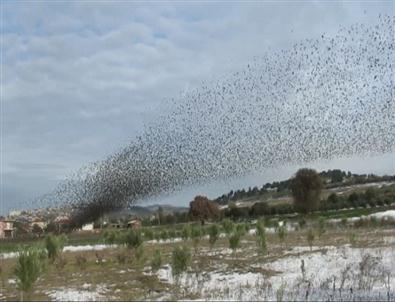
322,98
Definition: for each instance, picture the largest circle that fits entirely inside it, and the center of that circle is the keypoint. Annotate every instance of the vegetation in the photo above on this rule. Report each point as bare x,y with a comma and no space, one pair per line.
306,189
28,268
54,245
181,257
310,238
156,260
213,234
203,209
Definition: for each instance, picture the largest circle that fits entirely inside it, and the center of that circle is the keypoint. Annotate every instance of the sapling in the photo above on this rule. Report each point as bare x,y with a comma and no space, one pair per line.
213,234
180,259
28,269
228,226
234,241
156,261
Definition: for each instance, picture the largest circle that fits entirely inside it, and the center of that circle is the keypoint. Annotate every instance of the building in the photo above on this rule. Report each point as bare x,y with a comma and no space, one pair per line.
7,229
134,224
87,227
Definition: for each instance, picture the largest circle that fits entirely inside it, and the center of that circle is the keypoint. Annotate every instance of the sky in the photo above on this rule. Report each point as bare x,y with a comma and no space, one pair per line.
80,79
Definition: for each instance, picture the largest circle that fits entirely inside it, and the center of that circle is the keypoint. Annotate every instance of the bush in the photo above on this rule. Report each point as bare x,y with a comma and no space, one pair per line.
133,239
282,233
156,260
180,260
260,227
164,235
228,226
241,228
139,253
196,234
261,237
148,234
186,232
234,241
111,236
28,268
54,245
302,222
213,234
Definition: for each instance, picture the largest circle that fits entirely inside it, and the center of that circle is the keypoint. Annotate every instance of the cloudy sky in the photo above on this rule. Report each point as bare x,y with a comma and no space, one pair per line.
80,79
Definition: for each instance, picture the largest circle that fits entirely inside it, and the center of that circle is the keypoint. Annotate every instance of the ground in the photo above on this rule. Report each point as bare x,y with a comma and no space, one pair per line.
344,263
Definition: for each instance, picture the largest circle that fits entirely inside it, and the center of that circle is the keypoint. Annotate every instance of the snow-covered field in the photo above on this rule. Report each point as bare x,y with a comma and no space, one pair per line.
325,273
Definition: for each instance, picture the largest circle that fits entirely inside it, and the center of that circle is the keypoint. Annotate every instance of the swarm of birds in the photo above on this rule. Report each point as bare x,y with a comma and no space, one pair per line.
320,99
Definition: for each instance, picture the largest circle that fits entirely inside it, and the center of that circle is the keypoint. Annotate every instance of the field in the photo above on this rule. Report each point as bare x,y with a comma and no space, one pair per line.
347,261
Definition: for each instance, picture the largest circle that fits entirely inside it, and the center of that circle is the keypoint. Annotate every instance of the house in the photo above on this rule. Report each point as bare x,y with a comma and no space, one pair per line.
87,227
62,222
7,229
134,224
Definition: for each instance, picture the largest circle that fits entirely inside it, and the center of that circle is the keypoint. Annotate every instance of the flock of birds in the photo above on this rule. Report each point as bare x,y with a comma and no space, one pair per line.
320,99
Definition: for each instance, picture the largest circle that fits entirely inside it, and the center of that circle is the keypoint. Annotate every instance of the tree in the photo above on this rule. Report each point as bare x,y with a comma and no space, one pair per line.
203,209
28,268
213,232
54,245
37,230
306,189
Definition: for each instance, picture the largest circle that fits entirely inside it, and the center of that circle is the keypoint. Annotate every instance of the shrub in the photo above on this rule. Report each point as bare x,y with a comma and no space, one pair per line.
261,237
228,226
234,241
139,253
260,227
111,236
54,245
282,233
156,261
186,232
164,235
172,233
28,268
196,234
213,234
148,234
241,228
133,239
310,238
180,260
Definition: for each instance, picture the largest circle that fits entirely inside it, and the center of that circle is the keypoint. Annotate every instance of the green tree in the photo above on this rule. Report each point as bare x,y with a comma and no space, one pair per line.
228,226
306,189
28,268
133,239
181,257
261,237
234,241
213,233
156,260
54,245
